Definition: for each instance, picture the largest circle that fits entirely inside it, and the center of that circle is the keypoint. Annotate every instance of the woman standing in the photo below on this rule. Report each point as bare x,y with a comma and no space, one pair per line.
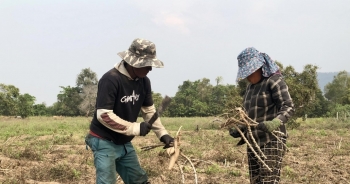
267,101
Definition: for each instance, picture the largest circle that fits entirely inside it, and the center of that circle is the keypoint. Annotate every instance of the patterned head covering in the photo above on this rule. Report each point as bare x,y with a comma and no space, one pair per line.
141,53
250,60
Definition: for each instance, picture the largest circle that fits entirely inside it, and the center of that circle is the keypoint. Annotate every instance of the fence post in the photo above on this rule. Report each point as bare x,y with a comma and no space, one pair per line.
337,115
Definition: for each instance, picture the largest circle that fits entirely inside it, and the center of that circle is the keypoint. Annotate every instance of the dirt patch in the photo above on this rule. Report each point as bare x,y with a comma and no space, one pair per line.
313,157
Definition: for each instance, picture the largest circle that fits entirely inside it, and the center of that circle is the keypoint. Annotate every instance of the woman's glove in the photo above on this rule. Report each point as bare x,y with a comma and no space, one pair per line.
269,126
234,132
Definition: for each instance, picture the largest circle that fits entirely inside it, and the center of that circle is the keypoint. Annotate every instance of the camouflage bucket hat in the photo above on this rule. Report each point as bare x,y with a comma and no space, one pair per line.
141,53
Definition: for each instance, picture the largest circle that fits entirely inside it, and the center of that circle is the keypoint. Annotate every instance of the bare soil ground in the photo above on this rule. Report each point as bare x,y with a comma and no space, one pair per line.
315,156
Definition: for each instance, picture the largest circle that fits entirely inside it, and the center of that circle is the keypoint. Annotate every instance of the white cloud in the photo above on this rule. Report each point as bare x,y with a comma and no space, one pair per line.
172,15
172,21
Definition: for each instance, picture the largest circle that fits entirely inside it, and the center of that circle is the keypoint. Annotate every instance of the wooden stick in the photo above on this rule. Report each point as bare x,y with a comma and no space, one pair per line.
146,148
278,139
182,173
344,180
246,116
250,146
246,124
207,162
255,143
4,170
194,169
10,138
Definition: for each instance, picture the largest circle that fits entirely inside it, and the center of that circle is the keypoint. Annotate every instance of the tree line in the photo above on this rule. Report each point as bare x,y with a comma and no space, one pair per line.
197,98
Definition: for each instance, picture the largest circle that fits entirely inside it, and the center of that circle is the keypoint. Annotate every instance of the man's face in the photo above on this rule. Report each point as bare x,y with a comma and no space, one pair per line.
142,72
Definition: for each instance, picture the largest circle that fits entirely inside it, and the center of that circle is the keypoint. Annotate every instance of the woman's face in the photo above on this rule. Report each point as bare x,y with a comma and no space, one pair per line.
255,77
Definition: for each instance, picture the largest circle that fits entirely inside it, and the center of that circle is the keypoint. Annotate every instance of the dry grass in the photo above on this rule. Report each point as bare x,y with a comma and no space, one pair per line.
44,150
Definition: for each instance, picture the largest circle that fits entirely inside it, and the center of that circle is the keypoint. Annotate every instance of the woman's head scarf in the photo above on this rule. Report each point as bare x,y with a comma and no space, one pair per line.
250,60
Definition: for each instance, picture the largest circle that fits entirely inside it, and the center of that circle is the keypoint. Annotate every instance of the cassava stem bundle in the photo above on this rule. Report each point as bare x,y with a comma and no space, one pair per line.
251,147
247,122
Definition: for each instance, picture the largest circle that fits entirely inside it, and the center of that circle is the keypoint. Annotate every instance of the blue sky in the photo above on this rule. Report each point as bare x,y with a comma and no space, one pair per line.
45,44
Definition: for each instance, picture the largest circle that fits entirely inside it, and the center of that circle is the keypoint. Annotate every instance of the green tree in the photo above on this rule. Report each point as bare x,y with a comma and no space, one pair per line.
318,107
183,100
302,88
67,102
40,110
200,98
347,97
219,80
157,99
25,105
338,91
8,100
242,87
204,89
217,99
87,85
191,99
234,97
79,100
12,103
343,111
86,78
223,99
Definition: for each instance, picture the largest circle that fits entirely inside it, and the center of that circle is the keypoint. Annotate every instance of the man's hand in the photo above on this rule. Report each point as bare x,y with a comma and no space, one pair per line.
167,140
145,128
269,126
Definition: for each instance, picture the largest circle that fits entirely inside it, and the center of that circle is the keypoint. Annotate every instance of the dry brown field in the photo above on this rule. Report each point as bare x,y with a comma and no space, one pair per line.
44,150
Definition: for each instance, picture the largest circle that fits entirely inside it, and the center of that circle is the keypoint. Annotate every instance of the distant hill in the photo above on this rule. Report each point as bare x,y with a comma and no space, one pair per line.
325,78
